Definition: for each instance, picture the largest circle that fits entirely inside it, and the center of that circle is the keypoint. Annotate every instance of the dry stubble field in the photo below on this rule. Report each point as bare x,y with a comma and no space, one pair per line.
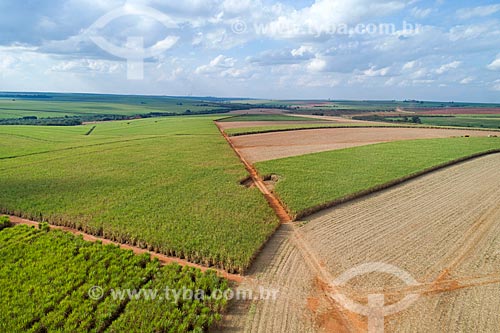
443,228
270,146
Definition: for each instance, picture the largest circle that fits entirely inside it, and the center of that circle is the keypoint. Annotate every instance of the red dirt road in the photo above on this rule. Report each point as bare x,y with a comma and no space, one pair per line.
275,204
163,258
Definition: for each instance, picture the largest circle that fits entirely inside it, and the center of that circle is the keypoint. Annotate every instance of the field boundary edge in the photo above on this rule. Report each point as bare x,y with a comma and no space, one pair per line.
164,259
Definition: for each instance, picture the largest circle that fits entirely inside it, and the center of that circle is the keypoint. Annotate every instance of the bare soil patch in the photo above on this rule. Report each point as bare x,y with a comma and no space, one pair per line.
243,124
256,111
340,120
299,306
269,146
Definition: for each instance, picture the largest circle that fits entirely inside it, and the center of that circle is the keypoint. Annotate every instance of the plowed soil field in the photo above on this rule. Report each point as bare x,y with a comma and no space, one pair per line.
269,146
442,228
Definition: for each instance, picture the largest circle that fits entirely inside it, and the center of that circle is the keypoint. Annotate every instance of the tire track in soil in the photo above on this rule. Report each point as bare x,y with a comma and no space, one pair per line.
477,232
470,240
302,305
339,318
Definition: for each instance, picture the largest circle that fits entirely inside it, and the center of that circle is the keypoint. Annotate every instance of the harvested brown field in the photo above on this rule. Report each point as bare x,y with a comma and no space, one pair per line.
442,228
280,266
269,146
340,120
256,111
243,124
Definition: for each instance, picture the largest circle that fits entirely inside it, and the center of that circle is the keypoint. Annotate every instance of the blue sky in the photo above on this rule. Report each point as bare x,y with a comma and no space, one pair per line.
340,49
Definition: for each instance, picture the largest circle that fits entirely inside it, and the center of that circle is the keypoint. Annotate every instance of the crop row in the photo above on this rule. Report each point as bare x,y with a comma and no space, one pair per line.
48,276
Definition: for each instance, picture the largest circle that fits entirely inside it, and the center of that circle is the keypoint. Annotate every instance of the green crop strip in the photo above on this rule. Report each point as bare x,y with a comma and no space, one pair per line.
171,185
50,273
312,181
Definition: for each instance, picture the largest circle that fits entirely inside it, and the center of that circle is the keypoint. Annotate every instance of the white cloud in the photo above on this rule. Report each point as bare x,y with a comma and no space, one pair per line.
419,74
421,13
495,65
13,58
496,85
467,80
317,65
238,6
481,11
448,67
476,31
218,64
88,65
372,72
409,65
324,15
304,49
165,44
224,67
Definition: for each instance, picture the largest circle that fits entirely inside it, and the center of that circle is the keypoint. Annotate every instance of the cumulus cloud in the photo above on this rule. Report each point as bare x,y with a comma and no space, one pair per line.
317,65
409,65
467,80
224,67
372,71
448,67
298,55
495,65
481,11
302,50
220,62
88,65
326,16
421,13
282,57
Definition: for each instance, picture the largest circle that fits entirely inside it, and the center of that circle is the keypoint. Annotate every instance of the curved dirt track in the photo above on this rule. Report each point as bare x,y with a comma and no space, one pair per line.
442,228
301,305
273,201
285,272
269,146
